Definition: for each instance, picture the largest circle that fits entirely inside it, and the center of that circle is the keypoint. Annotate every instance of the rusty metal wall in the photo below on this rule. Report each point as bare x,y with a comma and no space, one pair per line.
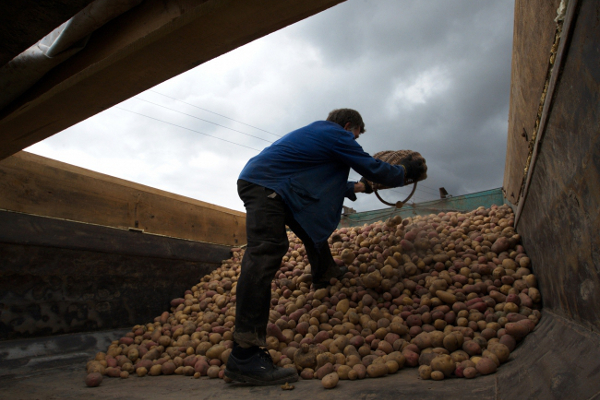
61,276
560,224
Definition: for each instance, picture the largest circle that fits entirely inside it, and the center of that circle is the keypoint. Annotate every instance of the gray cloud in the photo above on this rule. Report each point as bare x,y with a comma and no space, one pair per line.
432,76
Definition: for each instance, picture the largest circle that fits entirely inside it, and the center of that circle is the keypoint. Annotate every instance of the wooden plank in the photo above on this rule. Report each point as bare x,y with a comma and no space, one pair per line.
37,185
563,45
138,50
560,223
534,31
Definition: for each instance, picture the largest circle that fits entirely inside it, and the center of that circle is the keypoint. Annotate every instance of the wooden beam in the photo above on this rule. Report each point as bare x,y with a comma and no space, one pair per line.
534,31
37,185
138,50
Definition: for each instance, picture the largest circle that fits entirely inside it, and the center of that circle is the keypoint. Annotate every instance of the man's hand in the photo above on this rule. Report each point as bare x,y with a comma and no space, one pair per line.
363,186
416,169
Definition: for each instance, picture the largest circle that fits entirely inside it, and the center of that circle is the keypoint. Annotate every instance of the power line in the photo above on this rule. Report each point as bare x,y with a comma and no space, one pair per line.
429,187
212,112
226,127
183,127
435,191
421,190
204,120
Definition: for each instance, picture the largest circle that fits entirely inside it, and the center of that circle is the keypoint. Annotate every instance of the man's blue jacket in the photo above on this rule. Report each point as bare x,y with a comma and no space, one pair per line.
309,169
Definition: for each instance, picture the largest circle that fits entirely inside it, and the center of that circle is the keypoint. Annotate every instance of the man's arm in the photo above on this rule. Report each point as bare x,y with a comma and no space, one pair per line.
349,152
356,187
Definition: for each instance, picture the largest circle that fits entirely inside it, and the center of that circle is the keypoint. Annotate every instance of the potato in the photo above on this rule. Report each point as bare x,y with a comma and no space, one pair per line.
168,368
446,297
306,356
113,372
486,366
93,379
471,348
213,372
343,371
392,366
492,356
321,336
202,348
437,375
324,370
425,372
377,370
452,342
307,373
509,342
141,372
459,356
426,289
426,357
330,380
397,357
361,370
96,366
133,354
352,360
155,370
469,372
352,375
201,367
422,340
412,358
215,351
143,364
128,367
444,364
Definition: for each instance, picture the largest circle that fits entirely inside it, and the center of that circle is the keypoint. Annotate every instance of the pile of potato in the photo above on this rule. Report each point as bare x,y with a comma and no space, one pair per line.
451,294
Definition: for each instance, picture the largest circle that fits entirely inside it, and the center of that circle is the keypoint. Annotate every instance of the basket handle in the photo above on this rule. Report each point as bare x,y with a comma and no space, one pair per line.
398,204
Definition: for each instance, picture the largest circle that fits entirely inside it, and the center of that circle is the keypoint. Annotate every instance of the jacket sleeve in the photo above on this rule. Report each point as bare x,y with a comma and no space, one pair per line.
349,193
349,152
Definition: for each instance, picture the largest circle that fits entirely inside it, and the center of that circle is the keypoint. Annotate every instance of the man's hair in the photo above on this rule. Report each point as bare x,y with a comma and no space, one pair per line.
342,116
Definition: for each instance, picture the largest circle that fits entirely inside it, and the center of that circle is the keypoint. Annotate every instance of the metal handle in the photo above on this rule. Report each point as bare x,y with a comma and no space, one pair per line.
398,204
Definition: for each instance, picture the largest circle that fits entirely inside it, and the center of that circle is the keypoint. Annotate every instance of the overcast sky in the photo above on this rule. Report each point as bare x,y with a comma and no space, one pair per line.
431,76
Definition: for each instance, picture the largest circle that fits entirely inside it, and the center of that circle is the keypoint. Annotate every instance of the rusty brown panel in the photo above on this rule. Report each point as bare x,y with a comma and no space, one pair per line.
40,186
561,219
24,22
534,31
138,50
17,228
64,277
48,291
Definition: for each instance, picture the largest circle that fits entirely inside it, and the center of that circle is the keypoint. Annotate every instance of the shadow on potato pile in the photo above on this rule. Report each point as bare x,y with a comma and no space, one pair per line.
452,294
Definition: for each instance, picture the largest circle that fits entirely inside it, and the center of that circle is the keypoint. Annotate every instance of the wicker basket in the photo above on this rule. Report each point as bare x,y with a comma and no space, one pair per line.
395,158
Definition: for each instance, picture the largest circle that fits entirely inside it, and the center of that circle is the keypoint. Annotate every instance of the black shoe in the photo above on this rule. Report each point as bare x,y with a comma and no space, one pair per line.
258,369
337,272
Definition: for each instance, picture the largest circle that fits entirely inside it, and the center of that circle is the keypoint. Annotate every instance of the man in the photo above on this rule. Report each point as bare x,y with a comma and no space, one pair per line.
299,181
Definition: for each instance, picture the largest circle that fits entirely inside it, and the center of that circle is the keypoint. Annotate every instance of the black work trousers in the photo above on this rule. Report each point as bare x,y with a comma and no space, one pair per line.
266,218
